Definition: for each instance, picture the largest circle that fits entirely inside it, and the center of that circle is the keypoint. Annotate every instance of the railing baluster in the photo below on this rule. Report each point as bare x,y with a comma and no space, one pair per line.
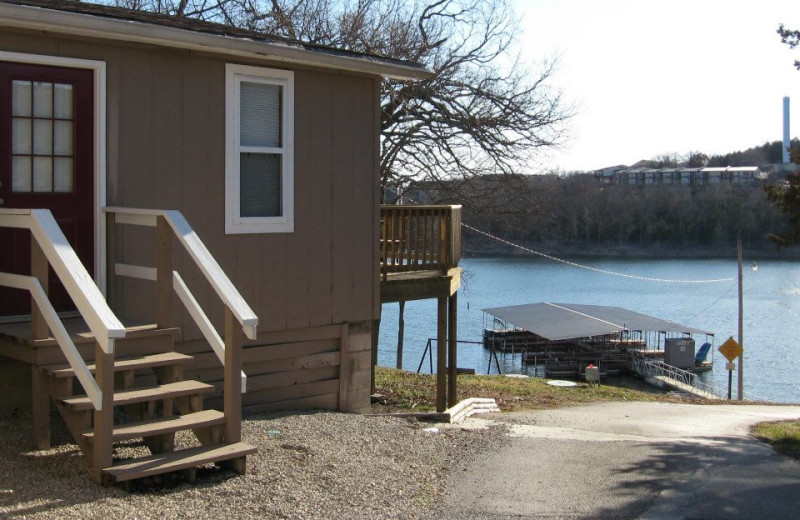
417,238
163,261
102,452
232,398
39,270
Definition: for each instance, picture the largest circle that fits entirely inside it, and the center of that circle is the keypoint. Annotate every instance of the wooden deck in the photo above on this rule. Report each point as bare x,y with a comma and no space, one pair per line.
420,251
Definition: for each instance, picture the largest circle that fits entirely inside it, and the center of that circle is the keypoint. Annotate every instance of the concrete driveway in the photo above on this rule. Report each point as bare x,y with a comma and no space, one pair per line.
630,460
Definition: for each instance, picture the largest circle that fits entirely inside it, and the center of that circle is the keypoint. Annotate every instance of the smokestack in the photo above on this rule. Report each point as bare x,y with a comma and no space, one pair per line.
786,138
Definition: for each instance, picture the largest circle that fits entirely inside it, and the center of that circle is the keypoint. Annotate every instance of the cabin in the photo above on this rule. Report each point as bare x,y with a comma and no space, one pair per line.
190,227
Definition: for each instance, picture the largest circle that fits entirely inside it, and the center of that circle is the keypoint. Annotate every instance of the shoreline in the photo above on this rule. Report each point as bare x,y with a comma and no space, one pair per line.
637,252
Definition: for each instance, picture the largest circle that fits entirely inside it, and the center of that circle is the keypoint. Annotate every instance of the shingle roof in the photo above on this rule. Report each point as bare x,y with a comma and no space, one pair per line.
204,27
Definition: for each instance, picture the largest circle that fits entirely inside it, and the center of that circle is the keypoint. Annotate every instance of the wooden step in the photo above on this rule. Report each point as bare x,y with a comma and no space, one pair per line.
161,426
141,395
176,460
133,363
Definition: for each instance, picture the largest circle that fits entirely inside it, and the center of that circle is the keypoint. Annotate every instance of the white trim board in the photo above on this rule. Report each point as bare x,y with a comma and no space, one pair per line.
100,165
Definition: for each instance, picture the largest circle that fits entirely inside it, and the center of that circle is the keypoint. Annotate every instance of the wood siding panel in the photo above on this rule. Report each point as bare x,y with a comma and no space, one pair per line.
197,152
315,136
289,379
136,181
330,386
12,40
271,309
166,148
354,204
320,402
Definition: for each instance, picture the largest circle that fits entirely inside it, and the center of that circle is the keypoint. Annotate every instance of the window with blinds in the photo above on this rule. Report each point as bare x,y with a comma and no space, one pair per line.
259,177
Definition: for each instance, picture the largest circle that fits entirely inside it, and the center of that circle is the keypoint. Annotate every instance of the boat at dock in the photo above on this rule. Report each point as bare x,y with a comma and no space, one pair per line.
561,340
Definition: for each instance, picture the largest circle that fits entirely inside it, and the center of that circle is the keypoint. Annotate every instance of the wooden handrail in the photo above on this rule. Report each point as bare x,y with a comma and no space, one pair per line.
76,362
213,273
419,238
68,267
202,321
51,244
239,318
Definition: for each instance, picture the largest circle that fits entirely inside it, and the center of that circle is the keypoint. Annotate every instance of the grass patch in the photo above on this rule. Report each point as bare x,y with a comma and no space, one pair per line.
408,391
784,436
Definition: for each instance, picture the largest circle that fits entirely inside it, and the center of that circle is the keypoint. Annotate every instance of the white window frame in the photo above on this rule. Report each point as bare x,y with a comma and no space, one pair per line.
234,222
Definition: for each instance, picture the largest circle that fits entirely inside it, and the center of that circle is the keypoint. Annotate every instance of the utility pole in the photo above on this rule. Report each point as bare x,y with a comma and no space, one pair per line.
741,322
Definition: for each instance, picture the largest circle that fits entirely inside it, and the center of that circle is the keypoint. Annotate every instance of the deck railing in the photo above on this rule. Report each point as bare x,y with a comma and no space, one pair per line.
169,224
419,238
50,248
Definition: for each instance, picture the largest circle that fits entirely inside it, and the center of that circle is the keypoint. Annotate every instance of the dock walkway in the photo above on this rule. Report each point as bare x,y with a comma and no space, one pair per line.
705,394
674,377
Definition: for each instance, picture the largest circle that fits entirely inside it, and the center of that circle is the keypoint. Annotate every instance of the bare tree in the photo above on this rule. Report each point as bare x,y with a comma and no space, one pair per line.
791,38
483,111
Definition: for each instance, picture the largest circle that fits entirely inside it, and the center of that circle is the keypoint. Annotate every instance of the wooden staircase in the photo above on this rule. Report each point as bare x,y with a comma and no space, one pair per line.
131,378
152,402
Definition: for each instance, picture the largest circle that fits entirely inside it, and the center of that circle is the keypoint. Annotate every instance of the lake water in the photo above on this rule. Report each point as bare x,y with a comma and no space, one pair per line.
771,310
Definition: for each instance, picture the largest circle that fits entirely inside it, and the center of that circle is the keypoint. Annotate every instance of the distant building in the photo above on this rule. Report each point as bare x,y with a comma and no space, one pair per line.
710,176
606,175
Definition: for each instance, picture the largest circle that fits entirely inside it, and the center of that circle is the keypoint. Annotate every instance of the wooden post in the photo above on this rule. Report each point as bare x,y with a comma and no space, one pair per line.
111,260
376,329
40,393
344,369
233,378
39,270
441,357
741,322
103,419
163,293
400,333
40,410
452,347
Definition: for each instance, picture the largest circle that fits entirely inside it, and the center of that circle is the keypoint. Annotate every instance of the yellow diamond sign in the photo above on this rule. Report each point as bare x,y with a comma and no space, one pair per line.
730,349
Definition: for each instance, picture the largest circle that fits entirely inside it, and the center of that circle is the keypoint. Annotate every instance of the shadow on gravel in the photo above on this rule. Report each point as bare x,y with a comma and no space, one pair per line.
42,481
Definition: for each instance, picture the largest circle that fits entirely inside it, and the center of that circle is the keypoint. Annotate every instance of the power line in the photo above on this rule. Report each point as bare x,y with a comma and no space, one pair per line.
590,268
715,302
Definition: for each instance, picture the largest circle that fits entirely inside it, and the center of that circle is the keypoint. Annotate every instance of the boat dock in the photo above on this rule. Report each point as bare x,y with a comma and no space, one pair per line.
563,339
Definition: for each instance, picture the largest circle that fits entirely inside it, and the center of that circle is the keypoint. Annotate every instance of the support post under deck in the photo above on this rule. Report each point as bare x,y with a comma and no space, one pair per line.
441,356
452,346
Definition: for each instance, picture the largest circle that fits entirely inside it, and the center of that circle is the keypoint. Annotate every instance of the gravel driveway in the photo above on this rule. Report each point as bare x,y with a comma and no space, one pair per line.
309,465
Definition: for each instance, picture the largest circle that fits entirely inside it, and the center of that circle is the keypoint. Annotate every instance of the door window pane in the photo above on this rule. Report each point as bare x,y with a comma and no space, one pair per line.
260,185
42,99
42,137
21,174
260,109
62,175
62,101
21,136
62,138
21,98
42,174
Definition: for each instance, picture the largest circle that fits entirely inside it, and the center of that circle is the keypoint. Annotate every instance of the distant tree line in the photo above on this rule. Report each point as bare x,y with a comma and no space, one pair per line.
575,213
767,153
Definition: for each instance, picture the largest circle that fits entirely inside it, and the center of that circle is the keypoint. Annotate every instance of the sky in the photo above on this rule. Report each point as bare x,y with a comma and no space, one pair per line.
653,77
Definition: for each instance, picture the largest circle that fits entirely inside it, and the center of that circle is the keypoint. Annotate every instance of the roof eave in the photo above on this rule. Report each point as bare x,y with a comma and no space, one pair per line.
78,24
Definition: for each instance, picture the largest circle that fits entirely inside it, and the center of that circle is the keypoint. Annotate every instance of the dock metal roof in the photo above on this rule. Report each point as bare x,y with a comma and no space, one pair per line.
557,321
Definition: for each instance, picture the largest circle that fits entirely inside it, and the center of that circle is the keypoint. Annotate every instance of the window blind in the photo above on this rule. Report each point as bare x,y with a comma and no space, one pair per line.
260,185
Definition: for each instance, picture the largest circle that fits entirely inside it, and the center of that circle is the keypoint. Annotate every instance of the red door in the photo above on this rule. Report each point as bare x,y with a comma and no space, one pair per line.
46,161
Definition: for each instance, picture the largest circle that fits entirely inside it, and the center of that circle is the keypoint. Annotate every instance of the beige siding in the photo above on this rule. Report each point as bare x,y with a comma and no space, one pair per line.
166,149
166,126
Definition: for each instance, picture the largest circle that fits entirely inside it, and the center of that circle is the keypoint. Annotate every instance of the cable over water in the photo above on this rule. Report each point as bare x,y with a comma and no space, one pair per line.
590,268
